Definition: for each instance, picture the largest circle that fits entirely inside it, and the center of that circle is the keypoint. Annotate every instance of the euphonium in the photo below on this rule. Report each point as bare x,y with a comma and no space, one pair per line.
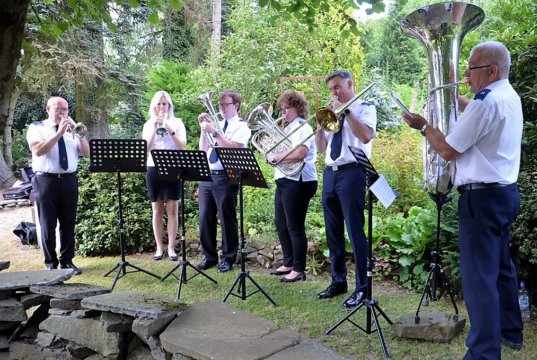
270,139
78,130
215,117
441,29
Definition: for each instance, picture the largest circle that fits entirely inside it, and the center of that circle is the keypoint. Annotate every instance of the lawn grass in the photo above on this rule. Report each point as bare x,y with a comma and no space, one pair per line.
298,307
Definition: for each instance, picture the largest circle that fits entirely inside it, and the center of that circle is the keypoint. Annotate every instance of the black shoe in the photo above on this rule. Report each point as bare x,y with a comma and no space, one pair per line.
515,345
72,266
206,264
225,266
301,276
173,257
158,257
277,272
354,300
333,290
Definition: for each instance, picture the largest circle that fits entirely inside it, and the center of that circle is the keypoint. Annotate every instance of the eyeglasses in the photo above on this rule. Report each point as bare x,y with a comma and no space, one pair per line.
478,67
60,109
223,105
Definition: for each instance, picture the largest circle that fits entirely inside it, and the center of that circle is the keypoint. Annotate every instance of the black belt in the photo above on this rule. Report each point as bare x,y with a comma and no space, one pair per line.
343,167
480,186
218,172
56,175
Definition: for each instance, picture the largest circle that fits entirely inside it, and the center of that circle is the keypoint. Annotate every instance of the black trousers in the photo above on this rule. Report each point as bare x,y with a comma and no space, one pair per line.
489,278
291,205
218,197
343,205
56,201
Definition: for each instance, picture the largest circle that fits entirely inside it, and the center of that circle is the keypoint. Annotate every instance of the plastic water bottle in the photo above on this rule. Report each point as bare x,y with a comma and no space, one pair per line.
524,302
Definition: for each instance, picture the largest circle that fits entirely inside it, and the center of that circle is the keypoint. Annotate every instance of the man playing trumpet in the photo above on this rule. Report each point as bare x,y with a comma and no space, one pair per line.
219,196
55,185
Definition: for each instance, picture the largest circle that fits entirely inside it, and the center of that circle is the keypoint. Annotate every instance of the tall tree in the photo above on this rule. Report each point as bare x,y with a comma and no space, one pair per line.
12,20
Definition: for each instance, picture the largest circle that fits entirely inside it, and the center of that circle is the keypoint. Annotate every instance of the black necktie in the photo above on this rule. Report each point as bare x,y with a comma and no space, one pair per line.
214,157
63,152
335,146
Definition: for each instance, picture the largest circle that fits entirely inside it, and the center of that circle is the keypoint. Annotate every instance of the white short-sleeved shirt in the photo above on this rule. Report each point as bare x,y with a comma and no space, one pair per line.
367,114
488,135
50,162
163,142
238,131
308,173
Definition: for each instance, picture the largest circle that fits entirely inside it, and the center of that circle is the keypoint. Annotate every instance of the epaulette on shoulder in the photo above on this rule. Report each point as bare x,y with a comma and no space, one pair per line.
301,121
368,103
482,94
242,120
37,123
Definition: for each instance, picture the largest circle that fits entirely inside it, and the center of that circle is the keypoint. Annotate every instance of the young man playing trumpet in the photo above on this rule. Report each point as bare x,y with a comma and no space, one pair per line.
344,186
55,154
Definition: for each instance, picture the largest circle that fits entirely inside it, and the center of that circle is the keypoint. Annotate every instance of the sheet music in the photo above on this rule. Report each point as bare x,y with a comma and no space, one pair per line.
383,191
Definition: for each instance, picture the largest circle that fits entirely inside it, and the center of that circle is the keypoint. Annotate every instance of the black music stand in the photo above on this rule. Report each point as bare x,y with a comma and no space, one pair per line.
119,155
370,303
242,168
184,165
436,276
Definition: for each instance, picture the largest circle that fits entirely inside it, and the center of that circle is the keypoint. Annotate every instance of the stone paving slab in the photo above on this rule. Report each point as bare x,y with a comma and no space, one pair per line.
308,349
133,303
12,310
24,279
71,291
215,330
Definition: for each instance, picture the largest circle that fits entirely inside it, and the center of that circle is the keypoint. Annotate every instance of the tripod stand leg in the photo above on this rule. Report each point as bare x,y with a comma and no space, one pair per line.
346,317
261,289
426,291
142,270
379,329
230,291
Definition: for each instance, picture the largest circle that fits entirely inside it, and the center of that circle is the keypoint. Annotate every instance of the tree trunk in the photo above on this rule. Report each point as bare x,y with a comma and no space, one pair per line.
217,26
12,21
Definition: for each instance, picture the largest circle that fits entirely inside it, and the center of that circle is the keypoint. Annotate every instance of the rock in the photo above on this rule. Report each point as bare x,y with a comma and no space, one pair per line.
56,311
85,313
433,326
93,336
202,331
136,304
151,327
65,304
71,291
12,310
24,351
20,280
78,352
44,339
308,349
31,300
115,322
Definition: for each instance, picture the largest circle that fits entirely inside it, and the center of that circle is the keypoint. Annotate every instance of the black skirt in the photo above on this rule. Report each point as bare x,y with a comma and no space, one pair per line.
160,190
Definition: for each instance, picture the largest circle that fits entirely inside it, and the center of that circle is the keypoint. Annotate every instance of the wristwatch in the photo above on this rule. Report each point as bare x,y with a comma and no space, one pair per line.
422,130
347,111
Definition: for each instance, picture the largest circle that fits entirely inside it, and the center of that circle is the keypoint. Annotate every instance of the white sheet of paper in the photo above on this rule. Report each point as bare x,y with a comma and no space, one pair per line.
383,191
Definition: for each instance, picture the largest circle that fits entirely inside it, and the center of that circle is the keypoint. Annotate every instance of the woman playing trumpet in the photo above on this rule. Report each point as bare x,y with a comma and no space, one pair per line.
293,193
163,131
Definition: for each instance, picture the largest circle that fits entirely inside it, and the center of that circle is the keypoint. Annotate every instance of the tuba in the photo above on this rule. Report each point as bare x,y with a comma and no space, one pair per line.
270,138
441,29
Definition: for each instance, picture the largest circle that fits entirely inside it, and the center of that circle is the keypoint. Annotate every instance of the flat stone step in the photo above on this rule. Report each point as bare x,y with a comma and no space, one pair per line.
71,291
20,280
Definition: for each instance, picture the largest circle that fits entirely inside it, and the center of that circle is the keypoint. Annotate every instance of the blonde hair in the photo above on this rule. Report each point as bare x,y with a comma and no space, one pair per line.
156,99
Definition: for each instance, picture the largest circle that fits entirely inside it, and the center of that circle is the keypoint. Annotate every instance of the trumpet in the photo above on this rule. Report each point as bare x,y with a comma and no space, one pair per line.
161,130
78,130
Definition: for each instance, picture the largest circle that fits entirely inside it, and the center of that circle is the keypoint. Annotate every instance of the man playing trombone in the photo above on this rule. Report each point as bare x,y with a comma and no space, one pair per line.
219,196
55,150
344,184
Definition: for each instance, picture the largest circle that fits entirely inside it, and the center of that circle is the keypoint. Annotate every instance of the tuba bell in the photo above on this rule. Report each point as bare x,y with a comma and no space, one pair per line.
214,116
441,29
